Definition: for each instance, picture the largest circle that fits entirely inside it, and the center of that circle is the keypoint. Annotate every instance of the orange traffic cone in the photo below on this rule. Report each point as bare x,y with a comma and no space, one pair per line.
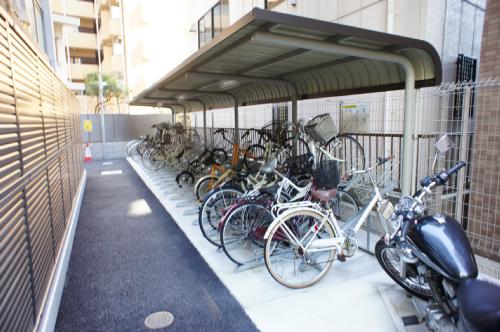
88,156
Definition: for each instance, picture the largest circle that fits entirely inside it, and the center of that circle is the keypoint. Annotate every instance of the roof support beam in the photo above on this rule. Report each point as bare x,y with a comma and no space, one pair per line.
274,60
243,79
409,111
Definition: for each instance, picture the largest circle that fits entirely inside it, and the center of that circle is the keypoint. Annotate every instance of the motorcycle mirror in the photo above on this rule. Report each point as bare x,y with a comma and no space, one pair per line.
444,144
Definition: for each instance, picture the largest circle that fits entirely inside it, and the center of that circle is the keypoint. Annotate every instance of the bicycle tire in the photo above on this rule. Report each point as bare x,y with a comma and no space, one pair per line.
344,205
355,158
273,246
202,184
184,178
218,156
211,210
257,217
254,156
287,146
155,159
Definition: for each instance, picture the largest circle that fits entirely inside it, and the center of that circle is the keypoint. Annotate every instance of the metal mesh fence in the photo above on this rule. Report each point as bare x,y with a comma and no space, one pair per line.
468,112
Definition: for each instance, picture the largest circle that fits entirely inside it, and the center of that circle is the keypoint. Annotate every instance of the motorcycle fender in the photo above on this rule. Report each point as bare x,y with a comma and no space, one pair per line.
286,214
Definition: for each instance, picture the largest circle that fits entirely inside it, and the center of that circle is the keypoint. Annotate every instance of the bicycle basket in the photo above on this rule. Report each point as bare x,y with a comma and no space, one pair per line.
326,175
299,165
321,128
385,176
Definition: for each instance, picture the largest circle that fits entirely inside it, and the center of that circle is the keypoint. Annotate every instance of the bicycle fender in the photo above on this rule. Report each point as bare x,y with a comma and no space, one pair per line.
285,214
199,181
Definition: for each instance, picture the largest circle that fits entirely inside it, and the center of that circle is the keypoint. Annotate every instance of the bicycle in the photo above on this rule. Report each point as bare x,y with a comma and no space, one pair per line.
302,242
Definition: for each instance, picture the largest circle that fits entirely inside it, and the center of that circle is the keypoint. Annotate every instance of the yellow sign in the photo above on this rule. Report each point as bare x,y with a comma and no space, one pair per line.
87,126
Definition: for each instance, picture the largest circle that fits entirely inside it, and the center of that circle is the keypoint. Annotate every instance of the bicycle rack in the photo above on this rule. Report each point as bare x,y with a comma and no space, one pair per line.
185,203
250,265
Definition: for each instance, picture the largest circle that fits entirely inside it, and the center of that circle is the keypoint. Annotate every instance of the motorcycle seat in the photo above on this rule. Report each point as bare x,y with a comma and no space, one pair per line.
324,195
479,305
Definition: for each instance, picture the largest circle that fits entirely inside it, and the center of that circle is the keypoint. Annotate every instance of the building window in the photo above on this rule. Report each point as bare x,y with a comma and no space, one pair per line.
87,25
77,60
270,4
40,31
213,22
31,14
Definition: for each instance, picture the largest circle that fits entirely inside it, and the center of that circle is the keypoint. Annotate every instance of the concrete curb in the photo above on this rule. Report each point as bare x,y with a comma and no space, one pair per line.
47,321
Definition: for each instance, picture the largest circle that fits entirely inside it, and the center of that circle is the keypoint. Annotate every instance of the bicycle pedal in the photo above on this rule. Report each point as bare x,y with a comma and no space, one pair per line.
341,258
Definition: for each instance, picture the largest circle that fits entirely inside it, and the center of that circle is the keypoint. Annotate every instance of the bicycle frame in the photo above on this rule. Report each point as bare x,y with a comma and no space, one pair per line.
349,229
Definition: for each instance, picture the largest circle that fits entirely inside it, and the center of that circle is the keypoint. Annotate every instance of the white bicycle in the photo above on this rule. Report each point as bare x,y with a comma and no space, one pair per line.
302,242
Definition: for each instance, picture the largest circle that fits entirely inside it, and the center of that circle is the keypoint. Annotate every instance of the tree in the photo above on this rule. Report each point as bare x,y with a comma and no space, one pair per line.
112,88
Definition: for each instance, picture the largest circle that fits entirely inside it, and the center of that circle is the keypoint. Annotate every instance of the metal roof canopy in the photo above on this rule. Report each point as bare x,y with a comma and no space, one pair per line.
268,57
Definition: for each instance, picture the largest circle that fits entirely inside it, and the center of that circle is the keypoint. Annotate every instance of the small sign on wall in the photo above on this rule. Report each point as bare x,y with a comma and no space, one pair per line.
87,126
355,118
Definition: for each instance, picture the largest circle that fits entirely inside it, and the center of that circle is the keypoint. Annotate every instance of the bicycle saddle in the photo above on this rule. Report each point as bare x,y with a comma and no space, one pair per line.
324,195
269,167
271,190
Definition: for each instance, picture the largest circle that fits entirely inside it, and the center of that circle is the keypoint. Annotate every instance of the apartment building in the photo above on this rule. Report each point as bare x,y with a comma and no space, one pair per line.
85,30
159,35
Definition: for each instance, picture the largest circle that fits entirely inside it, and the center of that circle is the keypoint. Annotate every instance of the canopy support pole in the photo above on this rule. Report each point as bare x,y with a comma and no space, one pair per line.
184,121
184,113
173,116
408,159
204,119
236,138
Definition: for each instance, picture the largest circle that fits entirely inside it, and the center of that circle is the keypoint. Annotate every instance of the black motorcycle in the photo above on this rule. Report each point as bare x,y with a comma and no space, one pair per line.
431,258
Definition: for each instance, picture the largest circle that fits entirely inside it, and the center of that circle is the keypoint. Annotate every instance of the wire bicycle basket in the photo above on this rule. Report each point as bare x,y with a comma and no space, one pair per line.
386,177
299,165
321,128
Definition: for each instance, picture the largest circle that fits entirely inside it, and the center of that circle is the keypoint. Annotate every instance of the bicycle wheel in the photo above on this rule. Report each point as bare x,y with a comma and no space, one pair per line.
390,260
287,253
344,206
242,235
185,178
213,209
154,160
134,151
145,158
219,156
288,150
129,146
253,157
203,186
346,148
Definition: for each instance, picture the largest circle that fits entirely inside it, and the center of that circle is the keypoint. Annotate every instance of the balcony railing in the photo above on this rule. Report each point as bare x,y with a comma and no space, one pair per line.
74,8
83,40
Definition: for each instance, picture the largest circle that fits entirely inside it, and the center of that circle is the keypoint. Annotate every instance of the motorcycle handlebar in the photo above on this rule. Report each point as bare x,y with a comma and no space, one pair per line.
428,183
455,168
